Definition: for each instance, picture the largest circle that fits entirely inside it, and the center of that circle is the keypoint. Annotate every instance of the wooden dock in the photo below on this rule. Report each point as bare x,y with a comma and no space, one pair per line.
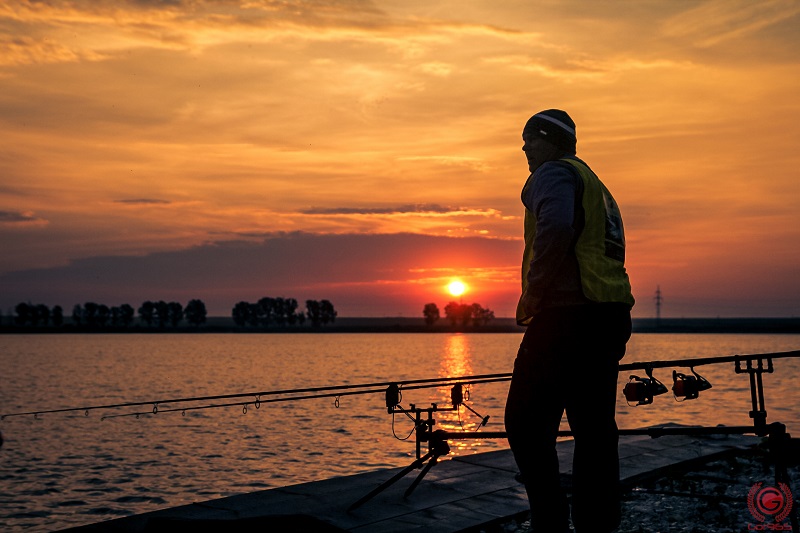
461,494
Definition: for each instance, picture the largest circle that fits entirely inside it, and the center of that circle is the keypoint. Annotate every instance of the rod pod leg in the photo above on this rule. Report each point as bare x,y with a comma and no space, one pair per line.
779,442
377,490
421,475
438,448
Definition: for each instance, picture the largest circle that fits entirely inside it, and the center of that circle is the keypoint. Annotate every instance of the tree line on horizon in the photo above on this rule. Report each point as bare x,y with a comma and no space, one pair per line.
94,315
282,312
161,314
265,312
458,314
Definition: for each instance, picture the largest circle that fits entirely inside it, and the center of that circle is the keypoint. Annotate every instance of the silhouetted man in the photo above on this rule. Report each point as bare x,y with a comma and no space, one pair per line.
576,301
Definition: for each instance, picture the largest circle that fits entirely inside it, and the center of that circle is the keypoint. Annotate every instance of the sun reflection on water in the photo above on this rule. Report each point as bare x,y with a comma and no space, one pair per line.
457,361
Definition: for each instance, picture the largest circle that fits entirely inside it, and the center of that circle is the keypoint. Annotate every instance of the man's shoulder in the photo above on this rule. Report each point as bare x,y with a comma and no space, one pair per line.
574,163
558,169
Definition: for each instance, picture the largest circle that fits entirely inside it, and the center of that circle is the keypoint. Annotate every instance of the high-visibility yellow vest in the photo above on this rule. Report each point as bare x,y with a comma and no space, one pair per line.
600,248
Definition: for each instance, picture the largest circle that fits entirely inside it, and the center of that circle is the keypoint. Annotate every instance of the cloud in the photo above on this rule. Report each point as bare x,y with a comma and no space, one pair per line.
143,201
437,68
427,219
115,26
27,51
458,161
415,208
714,22
21,218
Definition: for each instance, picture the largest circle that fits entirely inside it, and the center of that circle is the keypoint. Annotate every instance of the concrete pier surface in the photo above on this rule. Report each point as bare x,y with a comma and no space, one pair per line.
464,493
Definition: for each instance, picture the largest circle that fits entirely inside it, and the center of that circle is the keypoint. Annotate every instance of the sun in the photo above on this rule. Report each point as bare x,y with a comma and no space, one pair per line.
457,287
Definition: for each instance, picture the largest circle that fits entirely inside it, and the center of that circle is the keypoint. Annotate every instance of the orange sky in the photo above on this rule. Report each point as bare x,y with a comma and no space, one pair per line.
151,148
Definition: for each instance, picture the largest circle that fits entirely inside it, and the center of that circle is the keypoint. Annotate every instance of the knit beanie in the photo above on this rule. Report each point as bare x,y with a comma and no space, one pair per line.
554,126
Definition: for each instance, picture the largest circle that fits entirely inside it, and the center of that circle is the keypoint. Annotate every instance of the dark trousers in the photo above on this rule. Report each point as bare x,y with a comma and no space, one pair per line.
568,361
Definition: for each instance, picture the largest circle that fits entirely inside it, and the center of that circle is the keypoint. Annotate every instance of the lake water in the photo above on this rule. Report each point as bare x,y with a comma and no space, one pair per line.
61,470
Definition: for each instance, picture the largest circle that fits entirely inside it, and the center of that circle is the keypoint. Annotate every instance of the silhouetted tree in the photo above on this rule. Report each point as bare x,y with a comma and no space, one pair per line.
314,312
266,311
162,313
103,314
77,314
115,314
327,311
175,313
23,313
57,316
431,313
280,311
195,312
41,313
457,313
147,312
125,315
290,311
256,315
481,316
463,314
90,313
241,313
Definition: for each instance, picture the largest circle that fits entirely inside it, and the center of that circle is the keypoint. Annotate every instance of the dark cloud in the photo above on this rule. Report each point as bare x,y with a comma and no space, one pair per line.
409,208
18,217
142,201
361,274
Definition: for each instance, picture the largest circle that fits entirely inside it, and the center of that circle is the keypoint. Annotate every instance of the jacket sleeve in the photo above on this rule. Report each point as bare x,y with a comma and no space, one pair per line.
552,199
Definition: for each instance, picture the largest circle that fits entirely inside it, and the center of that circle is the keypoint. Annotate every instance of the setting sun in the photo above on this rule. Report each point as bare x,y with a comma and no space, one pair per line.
457,288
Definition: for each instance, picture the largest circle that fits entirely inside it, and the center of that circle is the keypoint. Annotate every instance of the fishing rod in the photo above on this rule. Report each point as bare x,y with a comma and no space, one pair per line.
471,380
255,397
701,361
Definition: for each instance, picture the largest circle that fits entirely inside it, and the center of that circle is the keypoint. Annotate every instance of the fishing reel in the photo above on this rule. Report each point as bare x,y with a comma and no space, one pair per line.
688,387
393,397
457,399
642,390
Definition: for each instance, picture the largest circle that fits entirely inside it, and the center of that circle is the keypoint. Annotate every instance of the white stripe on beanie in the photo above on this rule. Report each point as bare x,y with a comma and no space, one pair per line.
556,122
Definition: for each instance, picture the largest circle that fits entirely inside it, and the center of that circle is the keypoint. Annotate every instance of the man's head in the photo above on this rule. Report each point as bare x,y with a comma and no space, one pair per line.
548,135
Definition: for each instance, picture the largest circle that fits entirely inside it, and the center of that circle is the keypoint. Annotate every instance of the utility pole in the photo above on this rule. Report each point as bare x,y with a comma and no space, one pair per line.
658,299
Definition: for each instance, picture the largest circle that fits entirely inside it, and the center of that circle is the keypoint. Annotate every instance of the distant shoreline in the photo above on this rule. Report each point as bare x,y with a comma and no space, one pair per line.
417,325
